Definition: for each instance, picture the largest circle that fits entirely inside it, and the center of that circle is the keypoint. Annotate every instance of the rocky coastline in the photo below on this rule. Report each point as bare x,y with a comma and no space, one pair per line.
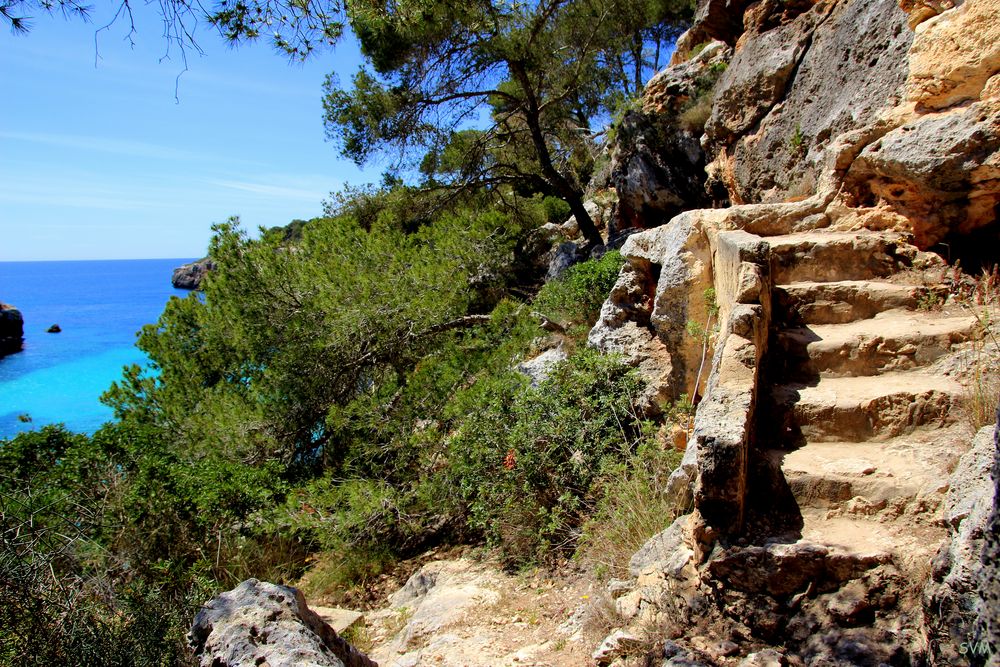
189,276
11,330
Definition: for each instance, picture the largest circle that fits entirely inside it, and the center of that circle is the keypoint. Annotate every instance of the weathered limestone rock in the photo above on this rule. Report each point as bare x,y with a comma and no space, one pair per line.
720,20
337,618
921,10
259,623
988,625
941,172
954,53
766,658
784,569
563,256
831,70
657,165
599,214
436,597
615,645
756,80
189,276
952,601
815,503
642,322
722,430
623,328
11,330
661,549
538,368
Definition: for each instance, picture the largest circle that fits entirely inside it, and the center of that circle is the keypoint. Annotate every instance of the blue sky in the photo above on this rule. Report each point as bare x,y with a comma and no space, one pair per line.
102,162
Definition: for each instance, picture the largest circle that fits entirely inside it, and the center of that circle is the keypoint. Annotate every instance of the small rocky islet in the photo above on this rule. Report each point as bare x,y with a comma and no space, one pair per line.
11,330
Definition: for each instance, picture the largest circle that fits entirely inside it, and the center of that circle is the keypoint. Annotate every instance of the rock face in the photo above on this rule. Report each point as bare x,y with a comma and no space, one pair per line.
189,276
657,167
988,625
941,172
660,289
794,87
537,369
11,330
952,597
258,623
828,464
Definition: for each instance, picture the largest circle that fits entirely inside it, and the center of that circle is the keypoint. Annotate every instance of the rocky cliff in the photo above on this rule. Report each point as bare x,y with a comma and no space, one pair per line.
832,509
11,330
189,276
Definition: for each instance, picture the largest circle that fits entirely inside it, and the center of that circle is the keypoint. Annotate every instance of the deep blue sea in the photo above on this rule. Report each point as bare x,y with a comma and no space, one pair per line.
100,306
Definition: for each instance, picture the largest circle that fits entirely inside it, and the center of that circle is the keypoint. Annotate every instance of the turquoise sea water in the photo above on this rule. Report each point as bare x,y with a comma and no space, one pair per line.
100,306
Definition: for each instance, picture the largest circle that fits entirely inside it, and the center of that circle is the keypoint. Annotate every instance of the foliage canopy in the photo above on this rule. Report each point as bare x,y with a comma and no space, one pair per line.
544,71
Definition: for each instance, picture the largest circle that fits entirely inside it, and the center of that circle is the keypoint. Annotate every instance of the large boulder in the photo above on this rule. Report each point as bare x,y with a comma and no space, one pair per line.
954,54
189,276
11,330
660,289
258,623
941,171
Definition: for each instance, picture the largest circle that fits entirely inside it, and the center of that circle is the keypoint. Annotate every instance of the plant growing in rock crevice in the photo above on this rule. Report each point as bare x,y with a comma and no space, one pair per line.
980,297
704,333
797,142
695,112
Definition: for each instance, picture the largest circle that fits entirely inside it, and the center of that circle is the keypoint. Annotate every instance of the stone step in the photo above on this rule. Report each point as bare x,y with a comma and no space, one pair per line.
337,618
894,340
909,544
783,569
843,301
825,474
863,408
835,256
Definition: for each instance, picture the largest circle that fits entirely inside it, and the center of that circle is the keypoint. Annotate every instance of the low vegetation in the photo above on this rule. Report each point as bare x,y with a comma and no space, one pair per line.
346,396
343,392
979,296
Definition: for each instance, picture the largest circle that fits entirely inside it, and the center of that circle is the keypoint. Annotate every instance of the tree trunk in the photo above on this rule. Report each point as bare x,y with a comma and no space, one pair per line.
583,219
637,52
571,194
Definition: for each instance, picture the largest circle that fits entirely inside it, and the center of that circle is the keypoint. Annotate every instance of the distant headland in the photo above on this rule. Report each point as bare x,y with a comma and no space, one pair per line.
189,276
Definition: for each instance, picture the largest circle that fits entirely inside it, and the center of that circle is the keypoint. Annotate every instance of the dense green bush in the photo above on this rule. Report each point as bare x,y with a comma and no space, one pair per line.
527,460
67,597
352,395
575,298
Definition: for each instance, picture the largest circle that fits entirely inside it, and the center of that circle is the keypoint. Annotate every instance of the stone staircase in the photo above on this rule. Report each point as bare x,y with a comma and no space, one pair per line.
859,416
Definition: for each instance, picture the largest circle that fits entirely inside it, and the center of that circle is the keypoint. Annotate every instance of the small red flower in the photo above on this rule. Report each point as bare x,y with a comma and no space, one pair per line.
510,460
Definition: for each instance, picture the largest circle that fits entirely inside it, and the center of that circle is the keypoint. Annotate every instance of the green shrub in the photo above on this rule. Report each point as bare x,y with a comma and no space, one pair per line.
527,460
67,597
632,509
694,115
576,297
556,210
